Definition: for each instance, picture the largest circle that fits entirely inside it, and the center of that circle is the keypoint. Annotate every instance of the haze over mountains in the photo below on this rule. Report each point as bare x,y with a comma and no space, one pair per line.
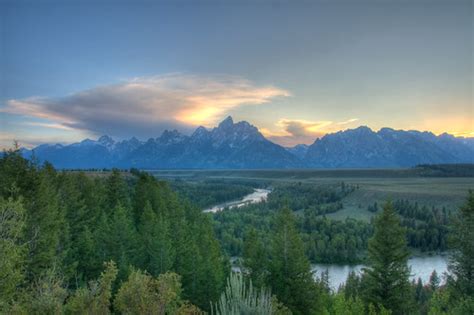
241,146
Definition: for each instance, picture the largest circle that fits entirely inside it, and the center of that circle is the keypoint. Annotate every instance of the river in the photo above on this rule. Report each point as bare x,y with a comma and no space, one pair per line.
258,195
421,267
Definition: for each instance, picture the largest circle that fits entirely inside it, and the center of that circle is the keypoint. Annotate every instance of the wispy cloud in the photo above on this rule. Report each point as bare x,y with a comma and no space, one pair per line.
48,125
145,106
289,132
29,141
348,121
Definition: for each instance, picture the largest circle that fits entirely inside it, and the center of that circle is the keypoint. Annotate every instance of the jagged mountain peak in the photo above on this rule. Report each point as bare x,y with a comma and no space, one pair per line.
362,147
241,145
171,136
362,129
226,123
200,131
106,140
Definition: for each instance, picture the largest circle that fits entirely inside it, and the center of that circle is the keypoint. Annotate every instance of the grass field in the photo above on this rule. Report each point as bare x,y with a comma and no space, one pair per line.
374,185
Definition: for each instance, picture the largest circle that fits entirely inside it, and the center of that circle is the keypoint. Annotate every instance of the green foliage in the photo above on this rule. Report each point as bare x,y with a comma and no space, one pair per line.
94,299
74,222
319,199
209,193
57,229
12,250
439,303
121,240
434,281
386,280
462,260
17,175
347,306
255,259
48,294
155,240
143,294
327,240
117,192
44,225
427,228
290,272
332,241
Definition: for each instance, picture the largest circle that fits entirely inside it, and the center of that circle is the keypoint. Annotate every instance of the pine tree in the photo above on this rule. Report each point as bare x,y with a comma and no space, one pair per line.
352,286
386,281
434,281
156,246
12,250
17,175
255,258
462,261
121,240
45,222
290,277
116,192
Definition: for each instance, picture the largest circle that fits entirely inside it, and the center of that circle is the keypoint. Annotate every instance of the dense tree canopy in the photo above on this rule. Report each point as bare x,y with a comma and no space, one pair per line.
126,243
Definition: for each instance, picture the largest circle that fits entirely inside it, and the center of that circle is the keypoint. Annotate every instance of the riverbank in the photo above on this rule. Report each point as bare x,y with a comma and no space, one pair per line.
421,267
258,195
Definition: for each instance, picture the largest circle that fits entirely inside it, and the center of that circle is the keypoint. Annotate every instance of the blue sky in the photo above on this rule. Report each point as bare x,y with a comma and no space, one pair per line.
297,70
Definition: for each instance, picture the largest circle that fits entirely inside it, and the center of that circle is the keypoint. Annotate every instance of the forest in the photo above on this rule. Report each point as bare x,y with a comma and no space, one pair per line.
127,243
326,240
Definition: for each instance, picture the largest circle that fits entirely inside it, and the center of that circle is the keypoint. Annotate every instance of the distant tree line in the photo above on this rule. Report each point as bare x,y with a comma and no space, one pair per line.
445,170
329,240
209,193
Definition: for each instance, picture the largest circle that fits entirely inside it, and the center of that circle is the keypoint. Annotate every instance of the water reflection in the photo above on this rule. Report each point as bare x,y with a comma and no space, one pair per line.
421,267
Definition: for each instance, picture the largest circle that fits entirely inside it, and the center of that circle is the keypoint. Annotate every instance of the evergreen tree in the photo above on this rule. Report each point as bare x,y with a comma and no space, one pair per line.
121,240
156,246
352,285
45,222
117,192
290,277
387,278
148,191
12,250
205,275
347,306
17,175
462,261
74,207
255,258
434,281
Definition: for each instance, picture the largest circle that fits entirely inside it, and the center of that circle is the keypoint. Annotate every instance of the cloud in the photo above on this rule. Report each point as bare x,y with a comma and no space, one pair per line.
145,106
296,131
348,121
28,141
48,125
298,127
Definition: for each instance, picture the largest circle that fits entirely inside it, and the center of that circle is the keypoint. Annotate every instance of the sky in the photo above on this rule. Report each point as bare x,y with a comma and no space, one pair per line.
295,69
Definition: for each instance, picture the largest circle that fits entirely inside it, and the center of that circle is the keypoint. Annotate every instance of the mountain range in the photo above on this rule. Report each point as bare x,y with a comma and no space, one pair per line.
241,146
